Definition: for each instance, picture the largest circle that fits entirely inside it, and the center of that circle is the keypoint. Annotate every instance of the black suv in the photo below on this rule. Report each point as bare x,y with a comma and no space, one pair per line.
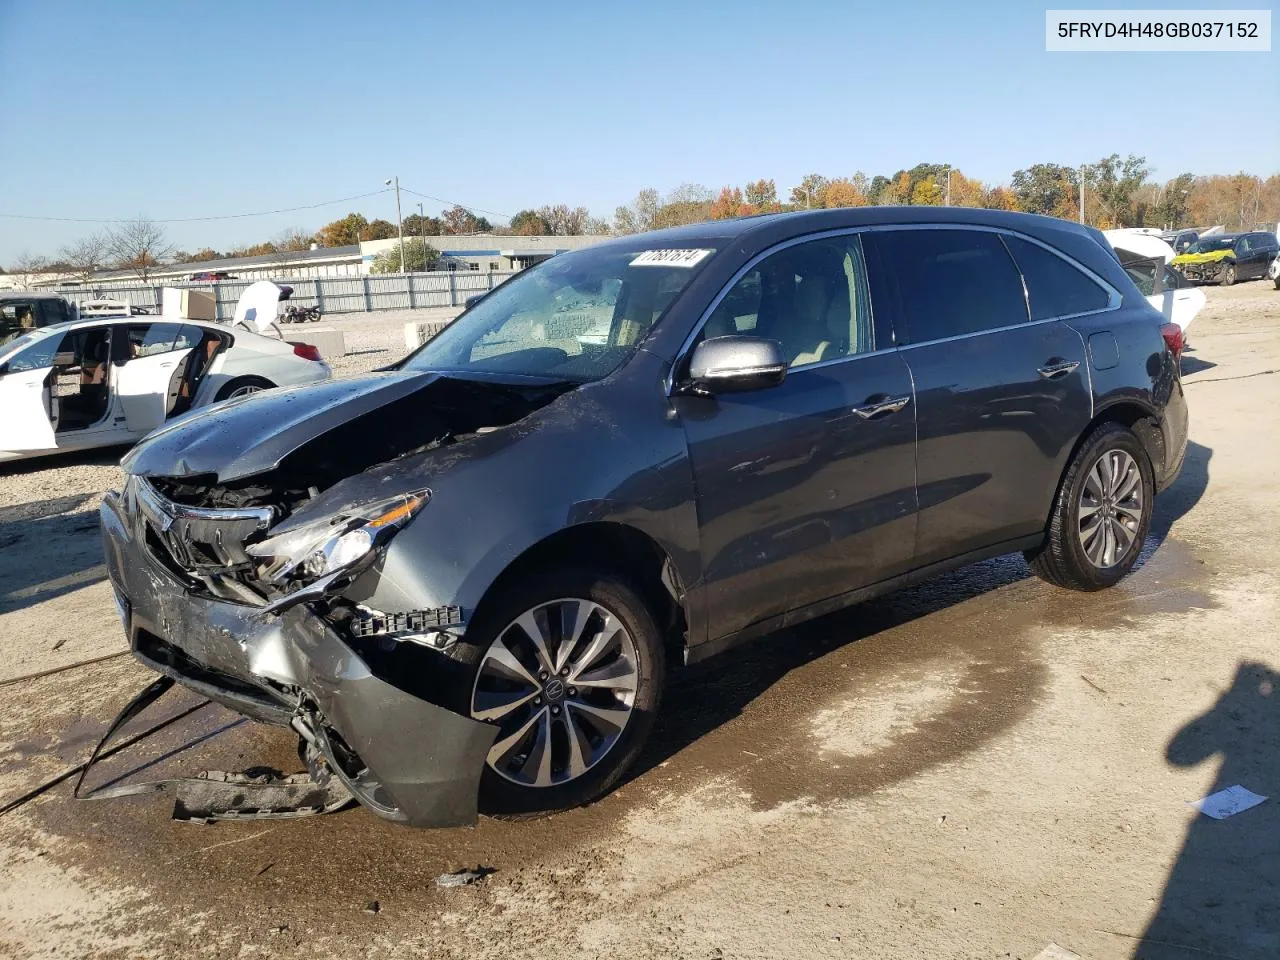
459,580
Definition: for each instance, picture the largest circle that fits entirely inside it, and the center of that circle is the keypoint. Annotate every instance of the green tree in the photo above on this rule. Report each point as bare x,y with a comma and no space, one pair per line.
417,225
1114,182
810,189
379,230
418,257
1047,188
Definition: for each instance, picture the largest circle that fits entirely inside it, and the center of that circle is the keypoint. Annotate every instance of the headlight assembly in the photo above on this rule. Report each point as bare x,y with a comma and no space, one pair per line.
347,542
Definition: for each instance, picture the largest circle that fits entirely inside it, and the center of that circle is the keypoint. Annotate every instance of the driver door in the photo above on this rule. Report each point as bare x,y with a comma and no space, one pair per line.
28,423
146,359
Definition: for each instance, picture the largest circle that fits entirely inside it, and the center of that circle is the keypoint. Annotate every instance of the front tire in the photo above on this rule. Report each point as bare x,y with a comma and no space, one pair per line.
569,665
1229,274
1101,514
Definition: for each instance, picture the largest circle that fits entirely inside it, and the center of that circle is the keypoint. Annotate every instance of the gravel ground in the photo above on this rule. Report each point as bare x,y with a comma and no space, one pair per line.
975,767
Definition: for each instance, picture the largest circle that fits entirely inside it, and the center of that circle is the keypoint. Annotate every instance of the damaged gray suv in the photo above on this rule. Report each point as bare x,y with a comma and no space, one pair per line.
461,579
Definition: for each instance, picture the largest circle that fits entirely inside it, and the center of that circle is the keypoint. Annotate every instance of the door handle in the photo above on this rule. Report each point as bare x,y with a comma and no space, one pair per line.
1058,368
877,407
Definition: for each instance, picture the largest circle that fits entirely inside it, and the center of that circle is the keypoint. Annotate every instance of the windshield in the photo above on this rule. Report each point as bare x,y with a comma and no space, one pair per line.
1210,244
576,317
13,340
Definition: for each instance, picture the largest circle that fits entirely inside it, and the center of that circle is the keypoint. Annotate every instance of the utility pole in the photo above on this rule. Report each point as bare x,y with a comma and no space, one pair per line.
1082,193
948,184
422,223
399,221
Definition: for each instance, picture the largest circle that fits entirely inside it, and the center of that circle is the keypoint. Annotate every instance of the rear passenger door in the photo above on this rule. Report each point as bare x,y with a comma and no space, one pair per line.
1001,385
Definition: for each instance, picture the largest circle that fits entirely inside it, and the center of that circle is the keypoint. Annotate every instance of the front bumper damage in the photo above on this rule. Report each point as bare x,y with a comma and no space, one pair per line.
405,758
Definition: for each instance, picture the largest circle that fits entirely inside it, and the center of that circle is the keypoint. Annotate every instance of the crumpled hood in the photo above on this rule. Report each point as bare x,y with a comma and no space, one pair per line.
1212,257
244,437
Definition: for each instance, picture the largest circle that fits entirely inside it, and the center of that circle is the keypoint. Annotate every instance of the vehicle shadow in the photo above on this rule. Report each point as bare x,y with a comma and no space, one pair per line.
1220,898
46,551
1181,498
99,457
1191,365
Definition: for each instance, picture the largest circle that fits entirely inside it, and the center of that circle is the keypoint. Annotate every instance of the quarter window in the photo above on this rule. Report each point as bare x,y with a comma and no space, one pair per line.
1055,288
812,298
951,282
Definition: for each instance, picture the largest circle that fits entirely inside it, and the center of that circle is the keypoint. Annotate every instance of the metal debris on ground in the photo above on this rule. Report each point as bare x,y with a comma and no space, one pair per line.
462,878
260,793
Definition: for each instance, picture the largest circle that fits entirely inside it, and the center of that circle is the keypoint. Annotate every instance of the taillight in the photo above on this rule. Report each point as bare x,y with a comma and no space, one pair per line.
1173,338
308,351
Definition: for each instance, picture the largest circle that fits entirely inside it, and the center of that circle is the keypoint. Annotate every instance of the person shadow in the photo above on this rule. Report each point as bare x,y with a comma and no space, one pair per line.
1222,897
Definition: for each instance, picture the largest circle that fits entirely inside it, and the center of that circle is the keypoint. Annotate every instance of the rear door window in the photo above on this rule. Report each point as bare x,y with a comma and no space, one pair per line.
1055,288
950,282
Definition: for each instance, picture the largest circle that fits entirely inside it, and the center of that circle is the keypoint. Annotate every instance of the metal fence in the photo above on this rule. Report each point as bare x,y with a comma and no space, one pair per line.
394,291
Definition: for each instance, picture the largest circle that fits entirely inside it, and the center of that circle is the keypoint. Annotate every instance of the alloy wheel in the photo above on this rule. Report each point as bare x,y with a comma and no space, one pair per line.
1110,509
560,683
245,391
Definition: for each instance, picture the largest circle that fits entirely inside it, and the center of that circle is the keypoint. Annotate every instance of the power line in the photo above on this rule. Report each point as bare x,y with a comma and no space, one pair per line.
242,216
454,203
225,216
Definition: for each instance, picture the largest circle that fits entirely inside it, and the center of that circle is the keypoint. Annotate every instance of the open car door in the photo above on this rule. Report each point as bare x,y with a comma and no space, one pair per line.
147,360
29,417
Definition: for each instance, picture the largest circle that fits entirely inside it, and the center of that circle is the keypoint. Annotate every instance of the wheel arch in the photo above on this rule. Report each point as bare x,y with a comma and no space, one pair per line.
608,546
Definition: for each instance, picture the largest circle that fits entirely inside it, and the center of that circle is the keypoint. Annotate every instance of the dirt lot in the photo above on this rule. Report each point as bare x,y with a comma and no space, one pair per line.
978,767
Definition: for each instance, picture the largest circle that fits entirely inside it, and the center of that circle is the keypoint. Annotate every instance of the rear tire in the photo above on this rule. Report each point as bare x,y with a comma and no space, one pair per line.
618,661
1100,497
242,387
1228,274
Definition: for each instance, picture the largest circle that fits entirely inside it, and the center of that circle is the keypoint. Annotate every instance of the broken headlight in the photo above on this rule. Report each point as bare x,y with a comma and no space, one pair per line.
345,542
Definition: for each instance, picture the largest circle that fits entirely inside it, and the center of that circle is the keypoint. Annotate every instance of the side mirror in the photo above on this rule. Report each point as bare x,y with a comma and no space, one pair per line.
736,365
471,301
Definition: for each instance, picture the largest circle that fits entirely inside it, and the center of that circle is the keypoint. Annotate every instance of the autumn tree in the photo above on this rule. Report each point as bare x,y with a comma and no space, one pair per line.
527,223
999,198
840,192
344,232
86,256
459,220
139,246
199,256
762,196
729,204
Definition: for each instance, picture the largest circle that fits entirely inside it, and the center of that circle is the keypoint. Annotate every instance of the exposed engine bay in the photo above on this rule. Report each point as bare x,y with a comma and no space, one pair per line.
271,539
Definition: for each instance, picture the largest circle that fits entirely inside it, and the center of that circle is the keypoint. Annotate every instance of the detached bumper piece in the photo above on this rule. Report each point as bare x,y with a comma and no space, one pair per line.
259,794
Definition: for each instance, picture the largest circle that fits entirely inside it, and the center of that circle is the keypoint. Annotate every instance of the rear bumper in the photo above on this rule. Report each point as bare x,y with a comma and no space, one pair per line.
405,758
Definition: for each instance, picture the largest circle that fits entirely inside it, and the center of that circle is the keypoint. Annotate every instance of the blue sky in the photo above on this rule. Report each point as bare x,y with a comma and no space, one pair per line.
188,109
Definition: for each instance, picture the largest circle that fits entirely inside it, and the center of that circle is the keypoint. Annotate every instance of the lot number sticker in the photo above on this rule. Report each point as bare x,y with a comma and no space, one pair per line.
670,258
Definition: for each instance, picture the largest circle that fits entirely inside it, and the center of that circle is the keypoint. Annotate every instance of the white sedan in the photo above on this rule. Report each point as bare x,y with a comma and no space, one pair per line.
102,382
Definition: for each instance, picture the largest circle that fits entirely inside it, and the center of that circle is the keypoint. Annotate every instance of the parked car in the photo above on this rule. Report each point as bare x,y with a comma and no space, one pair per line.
1180,240
460,580
106,381
1147,260
1228,257
211,276
25,310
